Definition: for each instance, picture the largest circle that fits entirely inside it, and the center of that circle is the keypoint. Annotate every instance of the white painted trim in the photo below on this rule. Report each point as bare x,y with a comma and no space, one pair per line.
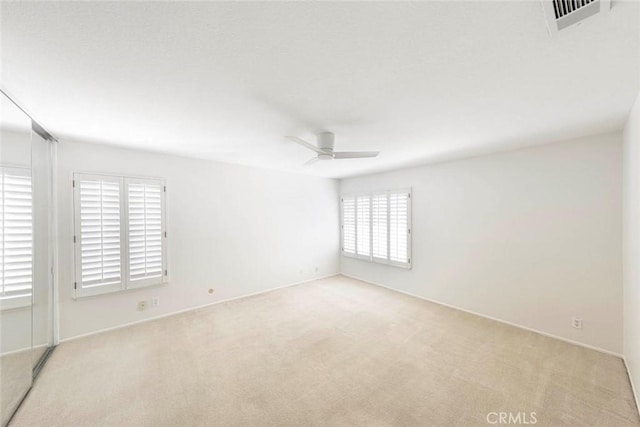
53,234
633,389
173,313
546,334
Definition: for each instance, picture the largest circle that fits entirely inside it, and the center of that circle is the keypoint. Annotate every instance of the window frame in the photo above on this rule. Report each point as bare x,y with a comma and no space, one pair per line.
21,301
125,283
370,257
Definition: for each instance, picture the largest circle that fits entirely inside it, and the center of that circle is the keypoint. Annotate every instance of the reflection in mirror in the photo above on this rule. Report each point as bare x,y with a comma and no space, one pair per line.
16,257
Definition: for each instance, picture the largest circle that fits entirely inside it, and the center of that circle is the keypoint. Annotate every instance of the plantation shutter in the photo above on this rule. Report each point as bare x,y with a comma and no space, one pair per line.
399,227
363,225
99,234
16,237
349,224
145,231
379,226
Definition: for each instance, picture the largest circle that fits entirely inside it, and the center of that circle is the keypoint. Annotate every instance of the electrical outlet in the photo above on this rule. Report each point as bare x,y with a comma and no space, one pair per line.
142,305
155,301
576,322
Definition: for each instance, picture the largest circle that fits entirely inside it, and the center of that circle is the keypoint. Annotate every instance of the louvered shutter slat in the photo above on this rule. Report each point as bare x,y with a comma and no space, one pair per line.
363,218
100,242
379,226
349,224
145,234
16,233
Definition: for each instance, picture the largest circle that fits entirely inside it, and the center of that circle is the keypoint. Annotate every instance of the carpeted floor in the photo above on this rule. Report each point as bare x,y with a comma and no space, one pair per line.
15,379
334,352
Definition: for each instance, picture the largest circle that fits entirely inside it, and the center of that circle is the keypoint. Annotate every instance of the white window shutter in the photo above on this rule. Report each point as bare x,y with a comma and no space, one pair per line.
145,231
98,234
377,227
349,224
16,237
399,216
380,226
363,225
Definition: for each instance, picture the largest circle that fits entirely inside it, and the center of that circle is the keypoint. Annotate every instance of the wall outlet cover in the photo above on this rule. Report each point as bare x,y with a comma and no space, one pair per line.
576,322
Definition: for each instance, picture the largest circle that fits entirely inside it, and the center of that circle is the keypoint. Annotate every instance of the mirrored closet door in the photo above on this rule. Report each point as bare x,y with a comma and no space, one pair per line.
26,254
16,258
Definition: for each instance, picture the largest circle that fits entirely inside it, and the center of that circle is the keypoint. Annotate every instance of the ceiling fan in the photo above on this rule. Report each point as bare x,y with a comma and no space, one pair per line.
324,149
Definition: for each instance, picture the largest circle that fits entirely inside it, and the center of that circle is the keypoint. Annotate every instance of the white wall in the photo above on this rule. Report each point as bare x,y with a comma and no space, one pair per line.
531,237
236,229
631,248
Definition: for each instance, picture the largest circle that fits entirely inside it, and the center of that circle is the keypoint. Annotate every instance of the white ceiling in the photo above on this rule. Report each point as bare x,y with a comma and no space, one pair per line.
418,81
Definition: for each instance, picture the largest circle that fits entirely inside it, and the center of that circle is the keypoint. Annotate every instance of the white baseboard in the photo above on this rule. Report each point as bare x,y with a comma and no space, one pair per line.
546,334
174,313
25,349
633,388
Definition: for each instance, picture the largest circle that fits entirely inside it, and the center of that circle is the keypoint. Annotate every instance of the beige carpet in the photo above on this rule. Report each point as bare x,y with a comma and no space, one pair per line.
334,352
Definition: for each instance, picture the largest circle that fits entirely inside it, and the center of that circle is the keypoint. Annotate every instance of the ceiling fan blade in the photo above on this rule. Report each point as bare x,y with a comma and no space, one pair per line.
355,154
304,143
311,161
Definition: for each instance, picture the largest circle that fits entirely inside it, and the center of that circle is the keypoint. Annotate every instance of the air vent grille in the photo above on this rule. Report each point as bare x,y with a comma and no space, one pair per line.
565,7
560,14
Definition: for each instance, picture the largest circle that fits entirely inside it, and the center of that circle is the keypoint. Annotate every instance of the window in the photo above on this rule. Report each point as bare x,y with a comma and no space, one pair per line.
16,238
377,227
120,238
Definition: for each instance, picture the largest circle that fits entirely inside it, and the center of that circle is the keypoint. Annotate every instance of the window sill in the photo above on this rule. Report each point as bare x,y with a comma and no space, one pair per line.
15,303
404,265
80,297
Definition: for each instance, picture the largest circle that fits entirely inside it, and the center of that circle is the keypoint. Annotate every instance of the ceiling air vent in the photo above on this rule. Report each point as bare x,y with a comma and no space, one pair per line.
565,13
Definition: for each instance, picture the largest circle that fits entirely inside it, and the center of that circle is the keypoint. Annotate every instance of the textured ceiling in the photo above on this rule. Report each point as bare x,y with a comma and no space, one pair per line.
417,81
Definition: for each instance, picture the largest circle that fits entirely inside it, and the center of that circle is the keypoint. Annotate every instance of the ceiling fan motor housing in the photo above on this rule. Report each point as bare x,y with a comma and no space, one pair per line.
325,141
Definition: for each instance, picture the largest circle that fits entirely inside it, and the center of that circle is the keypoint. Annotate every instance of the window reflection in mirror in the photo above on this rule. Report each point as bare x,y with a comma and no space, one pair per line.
16,258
